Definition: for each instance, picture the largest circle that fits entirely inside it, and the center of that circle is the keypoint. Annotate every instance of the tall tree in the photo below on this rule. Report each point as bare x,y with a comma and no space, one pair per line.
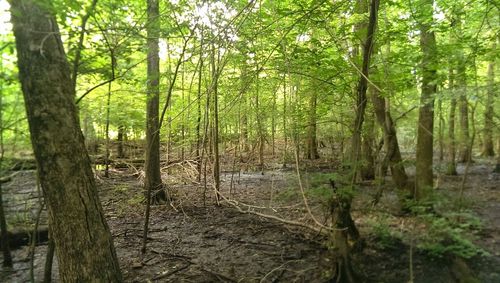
489,113
152,180
362,87
423,175
311,151
153,176
451,168
83,242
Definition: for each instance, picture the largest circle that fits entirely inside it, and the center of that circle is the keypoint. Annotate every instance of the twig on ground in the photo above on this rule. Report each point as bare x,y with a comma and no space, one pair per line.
235,204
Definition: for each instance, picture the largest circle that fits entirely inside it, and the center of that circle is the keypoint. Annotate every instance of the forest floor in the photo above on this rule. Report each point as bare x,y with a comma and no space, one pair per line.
194,240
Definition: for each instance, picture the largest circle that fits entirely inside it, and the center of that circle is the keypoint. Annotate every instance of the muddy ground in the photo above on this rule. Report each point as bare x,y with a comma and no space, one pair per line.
194,240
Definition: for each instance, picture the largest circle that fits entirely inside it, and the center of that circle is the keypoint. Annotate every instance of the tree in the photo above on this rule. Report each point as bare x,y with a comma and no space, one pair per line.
423,175
362,87
83,242
451,168
489,113
311,151
152,180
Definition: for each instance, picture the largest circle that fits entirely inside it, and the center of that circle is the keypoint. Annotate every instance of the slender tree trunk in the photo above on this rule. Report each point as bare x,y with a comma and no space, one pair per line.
441,130
120,140
215,141
489,112
451,168
273,125
106,156
285,117
463,103
260,124
84,245
183,118
361,90
311,140
368,162
198,117
244,113
152,181
423,175
49,259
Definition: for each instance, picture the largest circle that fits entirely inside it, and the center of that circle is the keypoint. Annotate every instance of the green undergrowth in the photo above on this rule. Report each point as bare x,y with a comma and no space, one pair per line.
317,188
435,226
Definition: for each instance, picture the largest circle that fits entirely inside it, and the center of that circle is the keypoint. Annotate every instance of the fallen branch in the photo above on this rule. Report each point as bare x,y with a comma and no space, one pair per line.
323,230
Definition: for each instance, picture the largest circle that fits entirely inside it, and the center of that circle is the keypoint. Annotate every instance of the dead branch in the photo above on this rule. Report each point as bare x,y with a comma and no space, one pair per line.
320,230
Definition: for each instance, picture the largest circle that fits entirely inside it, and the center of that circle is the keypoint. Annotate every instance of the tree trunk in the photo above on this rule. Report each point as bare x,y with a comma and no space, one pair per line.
49,260
4,236
465,154
152,180
260,123
84,245
393,154
285,132
244,113
441,130
362,88
497,167
368,161
423,175
489,111
215,141
120,140
198,115
107,154
451,168
311,140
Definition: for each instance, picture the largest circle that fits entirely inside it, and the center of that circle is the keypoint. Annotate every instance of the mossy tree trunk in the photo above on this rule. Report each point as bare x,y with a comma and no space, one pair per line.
83,242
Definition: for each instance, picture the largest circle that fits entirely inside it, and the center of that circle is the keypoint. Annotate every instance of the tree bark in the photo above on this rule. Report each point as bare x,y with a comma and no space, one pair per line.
215,142
311,140
423,175
153,176
198,115
451,168
489,112
84,245
120,140
362,88
465,154
393,154
4,236
153,180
